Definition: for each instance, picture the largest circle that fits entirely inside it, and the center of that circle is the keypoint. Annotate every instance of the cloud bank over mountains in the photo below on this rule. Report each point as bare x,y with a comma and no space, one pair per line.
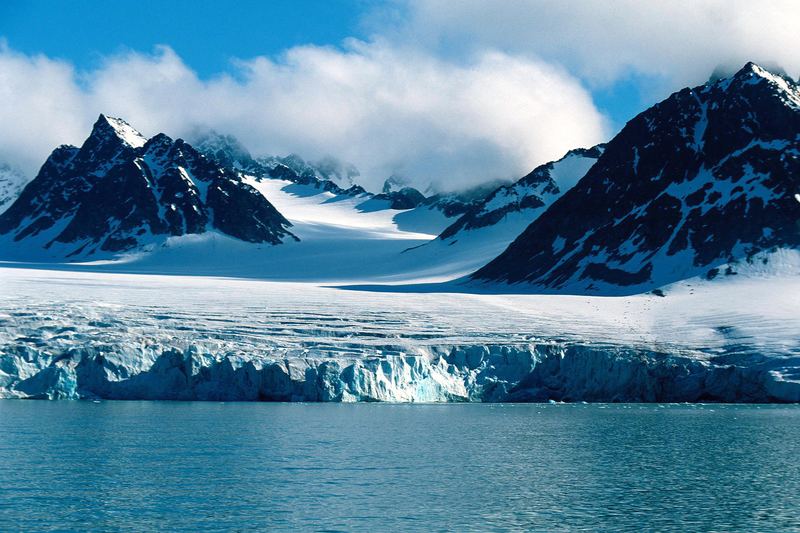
384,108
681,41
442,92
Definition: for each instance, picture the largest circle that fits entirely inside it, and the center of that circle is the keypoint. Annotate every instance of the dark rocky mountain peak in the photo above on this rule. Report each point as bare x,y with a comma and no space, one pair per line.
705,177
119,192
405,198
116,129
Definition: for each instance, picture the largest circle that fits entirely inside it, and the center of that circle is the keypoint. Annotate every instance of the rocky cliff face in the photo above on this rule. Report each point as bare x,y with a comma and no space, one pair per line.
707,176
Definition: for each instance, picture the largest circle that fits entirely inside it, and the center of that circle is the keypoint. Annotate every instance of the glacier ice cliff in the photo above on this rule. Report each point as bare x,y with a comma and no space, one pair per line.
69,334
488,373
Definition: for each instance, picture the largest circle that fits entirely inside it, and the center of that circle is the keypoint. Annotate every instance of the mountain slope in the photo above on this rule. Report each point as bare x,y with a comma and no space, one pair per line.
120,191
705,177
532,193
11,184
489,224
411,210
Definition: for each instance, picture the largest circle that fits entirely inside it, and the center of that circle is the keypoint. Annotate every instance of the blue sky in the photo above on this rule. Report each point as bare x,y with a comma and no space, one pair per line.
442,92
205,33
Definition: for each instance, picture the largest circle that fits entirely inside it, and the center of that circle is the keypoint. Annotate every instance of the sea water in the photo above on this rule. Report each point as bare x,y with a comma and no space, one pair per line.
146,466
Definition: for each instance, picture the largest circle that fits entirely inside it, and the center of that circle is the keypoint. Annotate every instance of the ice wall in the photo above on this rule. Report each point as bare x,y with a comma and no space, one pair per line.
487,373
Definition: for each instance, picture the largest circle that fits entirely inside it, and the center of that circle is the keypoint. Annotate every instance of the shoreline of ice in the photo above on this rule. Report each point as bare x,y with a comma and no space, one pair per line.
72,334
534,373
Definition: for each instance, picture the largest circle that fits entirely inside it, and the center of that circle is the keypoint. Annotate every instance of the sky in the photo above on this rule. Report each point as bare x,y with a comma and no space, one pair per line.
445,92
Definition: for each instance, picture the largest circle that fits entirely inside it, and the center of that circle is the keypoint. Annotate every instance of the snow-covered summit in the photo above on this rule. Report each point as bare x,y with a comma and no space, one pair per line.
121,129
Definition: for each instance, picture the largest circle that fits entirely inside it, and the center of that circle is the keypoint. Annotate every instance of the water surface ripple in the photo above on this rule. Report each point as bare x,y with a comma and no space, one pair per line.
132,466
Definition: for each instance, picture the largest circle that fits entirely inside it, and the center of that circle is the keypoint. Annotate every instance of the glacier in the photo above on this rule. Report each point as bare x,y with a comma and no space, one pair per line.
70,333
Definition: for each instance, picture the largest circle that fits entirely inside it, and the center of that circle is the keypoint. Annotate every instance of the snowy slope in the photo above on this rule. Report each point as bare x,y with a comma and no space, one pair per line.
103,335
342,238
163,207
487,228
124,131
11,184
160,205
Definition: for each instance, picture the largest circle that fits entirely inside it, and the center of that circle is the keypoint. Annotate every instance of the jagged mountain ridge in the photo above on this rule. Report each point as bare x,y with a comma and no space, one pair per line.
494,218
331,175
227,151
120,191
344,175
533,192
705,177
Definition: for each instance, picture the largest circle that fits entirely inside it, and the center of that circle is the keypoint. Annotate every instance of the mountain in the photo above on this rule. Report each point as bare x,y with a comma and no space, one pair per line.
120,191
225,150
329,169
333,176
328,175
457,203
11,184
530,195
490,219
294,168
401,195
708,176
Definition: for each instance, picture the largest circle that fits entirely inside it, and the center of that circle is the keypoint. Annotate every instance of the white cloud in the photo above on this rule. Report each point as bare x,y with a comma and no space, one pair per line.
488,90
601,40
384,107
41,107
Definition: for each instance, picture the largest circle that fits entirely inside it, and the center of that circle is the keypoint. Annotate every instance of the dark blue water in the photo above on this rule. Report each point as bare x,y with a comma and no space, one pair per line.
203,466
